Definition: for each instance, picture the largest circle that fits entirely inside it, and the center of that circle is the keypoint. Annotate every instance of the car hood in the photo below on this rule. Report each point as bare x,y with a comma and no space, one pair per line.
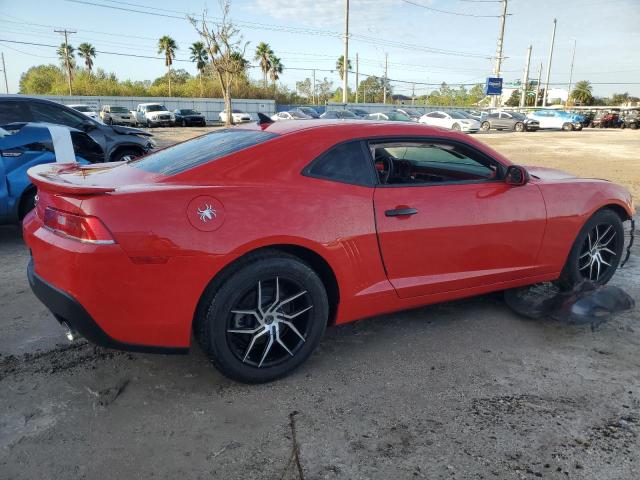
129,131
544,173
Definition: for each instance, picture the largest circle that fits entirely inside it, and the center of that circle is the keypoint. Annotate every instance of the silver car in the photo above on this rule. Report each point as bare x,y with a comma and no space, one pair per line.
115,115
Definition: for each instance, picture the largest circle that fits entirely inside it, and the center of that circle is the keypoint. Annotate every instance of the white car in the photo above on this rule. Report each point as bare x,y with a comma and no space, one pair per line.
290,115
86,110
154,115
451,120
237,115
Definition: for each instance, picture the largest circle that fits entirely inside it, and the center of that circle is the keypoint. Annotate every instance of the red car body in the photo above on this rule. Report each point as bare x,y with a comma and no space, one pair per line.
141,291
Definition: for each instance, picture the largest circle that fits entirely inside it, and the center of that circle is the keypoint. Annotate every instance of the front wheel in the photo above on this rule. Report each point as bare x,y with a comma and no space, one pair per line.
125,155
567,127
519,127
264,319
485,126
597,251
456,127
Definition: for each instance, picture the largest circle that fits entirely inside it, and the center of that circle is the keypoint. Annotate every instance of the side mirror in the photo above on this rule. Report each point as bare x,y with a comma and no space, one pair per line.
516,176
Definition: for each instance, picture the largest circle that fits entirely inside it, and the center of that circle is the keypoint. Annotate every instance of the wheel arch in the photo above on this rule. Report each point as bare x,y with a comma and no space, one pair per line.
312,258
125,146
31,188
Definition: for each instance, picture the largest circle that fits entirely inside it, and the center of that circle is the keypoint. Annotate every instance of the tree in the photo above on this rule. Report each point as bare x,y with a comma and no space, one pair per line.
582,93
371,90
340,66
618,99
263,55
41,79
276,69
168,46
514,99
200,57
225,46
87,52
305,88
323,90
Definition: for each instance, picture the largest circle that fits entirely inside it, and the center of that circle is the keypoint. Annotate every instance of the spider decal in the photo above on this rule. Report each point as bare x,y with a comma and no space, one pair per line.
206,214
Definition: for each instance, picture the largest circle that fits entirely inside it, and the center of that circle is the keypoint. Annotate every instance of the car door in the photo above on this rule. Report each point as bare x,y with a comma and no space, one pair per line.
464,229
505,120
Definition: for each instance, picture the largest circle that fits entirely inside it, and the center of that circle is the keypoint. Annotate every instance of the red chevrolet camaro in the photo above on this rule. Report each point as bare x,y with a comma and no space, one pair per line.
257,237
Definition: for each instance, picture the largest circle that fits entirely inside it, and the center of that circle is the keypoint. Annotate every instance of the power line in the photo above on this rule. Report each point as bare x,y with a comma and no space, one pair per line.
448,12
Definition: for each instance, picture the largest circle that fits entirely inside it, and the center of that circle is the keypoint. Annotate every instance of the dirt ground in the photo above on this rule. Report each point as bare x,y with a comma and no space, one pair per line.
462,390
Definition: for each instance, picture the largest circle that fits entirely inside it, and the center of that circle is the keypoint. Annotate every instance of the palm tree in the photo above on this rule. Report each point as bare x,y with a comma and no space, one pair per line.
87,52
340,66
264,54
241,65
200,56
275,70
168,46
65,54
582,93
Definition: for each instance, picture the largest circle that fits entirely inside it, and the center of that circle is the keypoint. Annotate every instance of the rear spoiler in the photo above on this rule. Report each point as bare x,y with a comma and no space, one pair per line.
68,178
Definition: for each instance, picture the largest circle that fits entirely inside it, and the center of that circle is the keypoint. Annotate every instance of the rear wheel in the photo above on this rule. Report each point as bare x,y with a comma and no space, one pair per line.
519,127
264,319
485,126
597,251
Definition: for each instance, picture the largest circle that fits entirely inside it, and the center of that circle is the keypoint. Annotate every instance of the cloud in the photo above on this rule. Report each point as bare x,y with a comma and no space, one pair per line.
328,14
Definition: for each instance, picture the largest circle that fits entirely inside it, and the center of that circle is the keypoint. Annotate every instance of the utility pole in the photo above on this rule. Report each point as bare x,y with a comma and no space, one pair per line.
314,87
357,77
66,32
384,83
573,56
525,79
546,83
4,70
413,94
496,70
345,61
535,102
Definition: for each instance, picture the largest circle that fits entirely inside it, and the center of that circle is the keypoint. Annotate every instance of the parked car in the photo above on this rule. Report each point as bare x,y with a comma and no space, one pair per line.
309,112
451,120
290,115
509,121
390,116
154,115
557,119
359,112
289,231
188,117
338,114
605,119
412,113
118,143
86,110
238,116
115,115
478,115
24,145
631,119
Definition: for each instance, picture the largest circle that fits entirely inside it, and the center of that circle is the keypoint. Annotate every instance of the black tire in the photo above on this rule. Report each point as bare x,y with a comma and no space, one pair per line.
455,127
485,126
519,127
239,355
609,232
149,124
184,123
567,127
125,154
27,203
633,126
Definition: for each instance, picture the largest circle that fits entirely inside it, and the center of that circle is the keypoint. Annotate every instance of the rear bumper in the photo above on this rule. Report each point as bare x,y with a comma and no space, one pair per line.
66,308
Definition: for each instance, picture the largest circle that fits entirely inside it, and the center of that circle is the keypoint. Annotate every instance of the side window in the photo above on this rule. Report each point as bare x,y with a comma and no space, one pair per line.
43,112
493,115
14,112
431,163
345,163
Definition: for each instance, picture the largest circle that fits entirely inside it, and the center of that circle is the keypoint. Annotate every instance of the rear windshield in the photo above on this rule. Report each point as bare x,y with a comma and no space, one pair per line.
187,155
119,110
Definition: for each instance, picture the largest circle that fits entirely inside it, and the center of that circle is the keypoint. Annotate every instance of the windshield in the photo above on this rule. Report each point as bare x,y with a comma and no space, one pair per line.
346,114
397,116
207,148
518,116
119,110
412,112
188,111
156,108
295,114
457,115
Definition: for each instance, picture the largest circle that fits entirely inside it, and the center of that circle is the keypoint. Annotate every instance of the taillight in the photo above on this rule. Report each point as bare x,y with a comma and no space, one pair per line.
77,227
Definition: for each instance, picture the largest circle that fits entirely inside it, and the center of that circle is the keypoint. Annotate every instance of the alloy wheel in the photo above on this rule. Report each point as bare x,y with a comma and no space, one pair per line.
270,322
598,252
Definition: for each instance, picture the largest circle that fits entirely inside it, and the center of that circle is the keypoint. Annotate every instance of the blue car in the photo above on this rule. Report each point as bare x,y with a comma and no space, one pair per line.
23,145
557,119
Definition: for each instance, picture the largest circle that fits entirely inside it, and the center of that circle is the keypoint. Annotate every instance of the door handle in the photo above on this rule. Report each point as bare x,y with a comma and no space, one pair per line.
398,212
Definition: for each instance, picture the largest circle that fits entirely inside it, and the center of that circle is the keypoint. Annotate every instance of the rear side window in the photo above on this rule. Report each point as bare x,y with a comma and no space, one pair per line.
185,156
14,112
345,163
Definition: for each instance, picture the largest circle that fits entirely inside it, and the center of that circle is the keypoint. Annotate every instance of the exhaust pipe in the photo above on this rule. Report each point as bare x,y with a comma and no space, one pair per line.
69,332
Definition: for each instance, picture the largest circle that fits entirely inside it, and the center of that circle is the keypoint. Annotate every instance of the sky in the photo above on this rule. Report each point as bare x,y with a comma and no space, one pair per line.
425,45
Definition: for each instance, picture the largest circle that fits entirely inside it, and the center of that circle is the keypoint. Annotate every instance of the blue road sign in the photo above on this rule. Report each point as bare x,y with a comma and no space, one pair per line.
493,86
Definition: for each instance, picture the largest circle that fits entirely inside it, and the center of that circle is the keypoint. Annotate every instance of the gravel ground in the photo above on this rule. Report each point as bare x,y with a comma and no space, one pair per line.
459,390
